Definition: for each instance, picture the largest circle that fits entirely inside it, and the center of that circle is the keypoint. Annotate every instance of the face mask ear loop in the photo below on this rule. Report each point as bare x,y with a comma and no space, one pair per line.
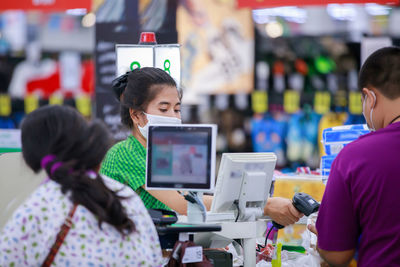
144,130
372,109
147,118
131,115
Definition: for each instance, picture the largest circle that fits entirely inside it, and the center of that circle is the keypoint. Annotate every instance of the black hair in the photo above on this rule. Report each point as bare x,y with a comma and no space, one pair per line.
137,88
79,146
381,70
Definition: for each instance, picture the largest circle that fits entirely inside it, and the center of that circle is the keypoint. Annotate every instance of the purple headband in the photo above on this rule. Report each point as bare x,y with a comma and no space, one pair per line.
49,158
46,160
55,167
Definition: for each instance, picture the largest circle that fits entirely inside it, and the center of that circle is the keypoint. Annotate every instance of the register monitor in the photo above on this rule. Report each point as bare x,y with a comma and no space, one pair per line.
243,186
181,157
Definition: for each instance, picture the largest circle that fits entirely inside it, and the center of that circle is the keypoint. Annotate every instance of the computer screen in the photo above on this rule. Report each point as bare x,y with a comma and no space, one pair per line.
246,176
181,157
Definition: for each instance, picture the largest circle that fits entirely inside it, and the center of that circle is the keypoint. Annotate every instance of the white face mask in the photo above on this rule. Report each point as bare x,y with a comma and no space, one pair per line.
155,119
371,127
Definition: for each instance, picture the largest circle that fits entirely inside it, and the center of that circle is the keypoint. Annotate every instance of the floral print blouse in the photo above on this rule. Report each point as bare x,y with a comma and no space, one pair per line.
29,235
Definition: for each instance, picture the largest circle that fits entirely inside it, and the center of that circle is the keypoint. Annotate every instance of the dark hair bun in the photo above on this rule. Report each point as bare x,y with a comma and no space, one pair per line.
119,84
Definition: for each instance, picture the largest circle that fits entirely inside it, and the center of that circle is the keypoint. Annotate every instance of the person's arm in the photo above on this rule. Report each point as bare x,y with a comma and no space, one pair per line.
337,258
172,199
337,225
207,199
334,258
282,211
176,201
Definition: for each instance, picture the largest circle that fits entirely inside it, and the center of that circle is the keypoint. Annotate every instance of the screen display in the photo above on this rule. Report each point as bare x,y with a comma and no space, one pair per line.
179,157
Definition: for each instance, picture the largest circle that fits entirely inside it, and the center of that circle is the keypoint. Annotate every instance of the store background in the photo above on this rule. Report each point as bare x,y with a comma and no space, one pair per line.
270,77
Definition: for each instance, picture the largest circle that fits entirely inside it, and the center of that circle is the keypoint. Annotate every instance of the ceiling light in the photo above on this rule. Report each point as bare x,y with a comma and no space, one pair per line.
89,20
274,29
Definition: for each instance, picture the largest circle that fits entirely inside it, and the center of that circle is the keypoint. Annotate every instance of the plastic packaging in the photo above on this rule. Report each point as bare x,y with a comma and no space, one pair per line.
326,163
336,138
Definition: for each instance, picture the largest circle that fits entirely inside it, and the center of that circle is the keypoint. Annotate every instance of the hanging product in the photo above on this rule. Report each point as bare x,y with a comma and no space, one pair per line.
268,135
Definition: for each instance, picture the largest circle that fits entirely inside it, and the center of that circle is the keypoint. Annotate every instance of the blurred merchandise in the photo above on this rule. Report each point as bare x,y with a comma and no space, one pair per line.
217,48
272,78
10,140
288,184
334,140
15,29
45,58
302,138
326,164
268,134
329,120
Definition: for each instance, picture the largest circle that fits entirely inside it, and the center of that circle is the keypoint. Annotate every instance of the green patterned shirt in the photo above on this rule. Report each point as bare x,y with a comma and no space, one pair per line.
126,163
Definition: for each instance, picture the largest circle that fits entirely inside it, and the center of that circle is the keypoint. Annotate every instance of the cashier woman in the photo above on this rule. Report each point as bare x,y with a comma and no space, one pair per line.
150,95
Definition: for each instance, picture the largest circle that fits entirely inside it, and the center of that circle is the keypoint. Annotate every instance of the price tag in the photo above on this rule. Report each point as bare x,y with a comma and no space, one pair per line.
83,105
291,101
56,100
31,103
355,103
193,254
322,102
5,105
259,101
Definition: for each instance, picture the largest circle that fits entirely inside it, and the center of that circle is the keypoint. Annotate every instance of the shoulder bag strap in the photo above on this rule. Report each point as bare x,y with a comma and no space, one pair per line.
60,238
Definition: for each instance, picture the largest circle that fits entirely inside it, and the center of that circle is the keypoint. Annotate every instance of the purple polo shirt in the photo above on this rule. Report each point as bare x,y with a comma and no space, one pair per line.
362,198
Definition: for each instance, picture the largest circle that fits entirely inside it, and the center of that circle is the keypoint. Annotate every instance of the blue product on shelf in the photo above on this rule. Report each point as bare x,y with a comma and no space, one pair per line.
326,163
17,117
354,119
335,138
6,123
268,135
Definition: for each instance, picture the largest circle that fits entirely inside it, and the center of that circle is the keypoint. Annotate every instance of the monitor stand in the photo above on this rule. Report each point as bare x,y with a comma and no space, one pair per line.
250,204
196,211
251,198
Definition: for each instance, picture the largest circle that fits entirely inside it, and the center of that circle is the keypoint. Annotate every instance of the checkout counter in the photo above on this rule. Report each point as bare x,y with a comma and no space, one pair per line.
182,157
215,235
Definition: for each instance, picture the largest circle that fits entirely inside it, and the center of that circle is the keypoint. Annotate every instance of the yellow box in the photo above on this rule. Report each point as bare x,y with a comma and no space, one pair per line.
286,186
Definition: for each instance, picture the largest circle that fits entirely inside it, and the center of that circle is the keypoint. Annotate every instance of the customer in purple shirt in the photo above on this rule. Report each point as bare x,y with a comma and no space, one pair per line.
360,209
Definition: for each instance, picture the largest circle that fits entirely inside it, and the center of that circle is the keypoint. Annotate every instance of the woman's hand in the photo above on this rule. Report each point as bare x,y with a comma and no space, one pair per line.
282,211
